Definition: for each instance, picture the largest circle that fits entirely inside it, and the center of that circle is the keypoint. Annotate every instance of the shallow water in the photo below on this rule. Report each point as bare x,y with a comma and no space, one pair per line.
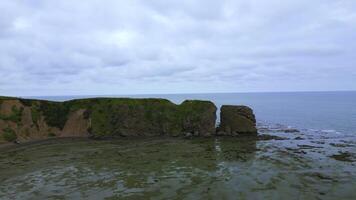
304,165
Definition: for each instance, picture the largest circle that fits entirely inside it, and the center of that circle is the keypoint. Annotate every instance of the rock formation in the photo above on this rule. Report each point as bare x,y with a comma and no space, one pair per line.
25,120
236,120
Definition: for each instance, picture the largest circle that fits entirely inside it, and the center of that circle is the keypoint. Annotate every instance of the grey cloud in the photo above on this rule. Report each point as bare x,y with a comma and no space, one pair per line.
72,47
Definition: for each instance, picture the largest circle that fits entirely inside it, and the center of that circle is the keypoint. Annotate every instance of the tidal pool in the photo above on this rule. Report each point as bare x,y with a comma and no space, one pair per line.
291,166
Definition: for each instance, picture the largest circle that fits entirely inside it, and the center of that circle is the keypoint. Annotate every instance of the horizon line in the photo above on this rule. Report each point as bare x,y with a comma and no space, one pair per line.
188,93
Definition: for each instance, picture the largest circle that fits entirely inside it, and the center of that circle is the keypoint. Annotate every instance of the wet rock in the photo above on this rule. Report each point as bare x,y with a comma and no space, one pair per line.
291,130
340,145
196,133
188,134
344,156
220,133
320,176
298,138
318,142
237,120
270,137
305,146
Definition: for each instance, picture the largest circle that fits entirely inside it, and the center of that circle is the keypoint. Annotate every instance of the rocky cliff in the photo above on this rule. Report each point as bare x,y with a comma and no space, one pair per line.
236,120
25,120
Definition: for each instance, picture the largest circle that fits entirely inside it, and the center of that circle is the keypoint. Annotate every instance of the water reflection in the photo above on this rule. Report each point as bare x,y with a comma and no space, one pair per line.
212,168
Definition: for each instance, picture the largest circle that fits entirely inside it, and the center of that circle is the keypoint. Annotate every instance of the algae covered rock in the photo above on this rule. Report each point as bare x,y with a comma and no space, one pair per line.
150,117
132,117
117,117
199,117
237,120
104,118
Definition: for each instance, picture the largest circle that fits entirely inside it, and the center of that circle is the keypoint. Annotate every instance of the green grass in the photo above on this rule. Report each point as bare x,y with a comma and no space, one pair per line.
7,98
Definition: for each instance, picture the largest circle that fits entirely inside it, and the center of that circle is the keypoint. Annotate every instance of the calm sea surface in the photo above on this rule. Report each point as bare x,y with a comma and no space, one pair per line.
325,111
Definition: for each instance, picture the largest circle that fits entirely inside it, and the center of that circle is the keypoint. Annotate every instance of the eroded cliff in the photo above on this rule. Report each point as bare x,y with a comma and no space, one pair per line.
25,120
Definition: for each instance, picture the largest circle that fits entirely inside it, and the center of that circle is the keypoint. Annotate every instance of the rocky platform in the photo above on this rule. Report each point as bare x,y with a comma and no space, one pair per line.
23,120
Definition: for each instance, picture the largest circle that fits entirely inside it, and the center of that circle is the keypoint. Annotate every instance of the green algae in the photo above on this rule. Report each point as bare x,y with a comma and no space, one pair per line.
169,168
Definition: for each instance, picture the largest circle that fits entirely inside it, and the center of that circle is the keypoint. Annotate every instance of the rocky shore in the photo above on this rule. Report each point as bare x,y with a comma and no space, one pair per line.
24,120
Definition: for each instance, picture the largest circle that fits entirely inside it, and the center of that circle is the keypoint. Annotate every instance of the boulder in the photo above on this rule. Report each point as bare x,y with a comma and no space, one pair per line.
236,120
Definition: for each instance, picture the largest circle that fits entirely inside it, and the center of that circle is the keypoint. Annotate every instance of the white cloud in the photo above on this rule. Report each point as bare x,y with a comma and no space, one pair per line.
157,46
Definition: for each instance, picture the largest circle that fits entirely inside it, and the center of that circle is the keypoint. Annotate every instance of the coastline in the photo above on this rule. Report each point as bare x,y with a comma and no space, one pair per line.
26,119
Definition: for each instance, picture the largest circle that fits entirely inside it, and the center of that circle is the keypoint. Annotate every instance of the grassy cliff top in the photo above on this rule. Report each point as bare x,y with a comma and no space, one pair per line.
7,98
120,100
101,109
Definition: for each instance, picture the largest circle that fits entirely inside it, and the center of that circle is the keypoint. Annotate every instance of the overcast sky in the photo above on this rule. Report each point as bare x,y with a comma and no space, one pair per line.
94,47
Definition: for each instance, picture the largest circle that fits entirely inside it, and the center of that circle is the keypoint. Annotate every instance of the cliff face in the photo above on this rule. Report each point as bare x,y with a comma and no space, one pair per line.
237,120
148,117
25,120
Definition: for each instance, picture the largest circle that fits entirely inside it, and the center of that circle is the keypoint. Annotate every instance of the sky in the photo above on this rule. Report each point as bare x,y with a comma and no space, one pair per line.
100,47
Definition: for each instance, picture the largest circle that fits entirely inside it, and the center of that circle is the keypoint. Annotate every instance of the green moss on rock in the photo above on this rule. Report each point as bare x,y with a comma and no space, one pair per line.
132,117
115,117
15,116
51,134
112,117
55,113
237,120
199,117
26,102
9,135
35,113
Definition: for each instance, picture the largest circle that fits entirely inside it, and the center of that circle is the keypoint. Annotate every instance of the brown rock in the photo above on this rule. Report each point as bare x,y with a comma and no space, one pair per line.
76,125
237,120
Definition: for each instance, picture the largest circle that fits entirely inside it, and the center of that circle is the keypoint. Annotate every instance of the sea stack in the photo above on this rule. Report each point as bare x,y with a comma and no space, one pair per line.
236,120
